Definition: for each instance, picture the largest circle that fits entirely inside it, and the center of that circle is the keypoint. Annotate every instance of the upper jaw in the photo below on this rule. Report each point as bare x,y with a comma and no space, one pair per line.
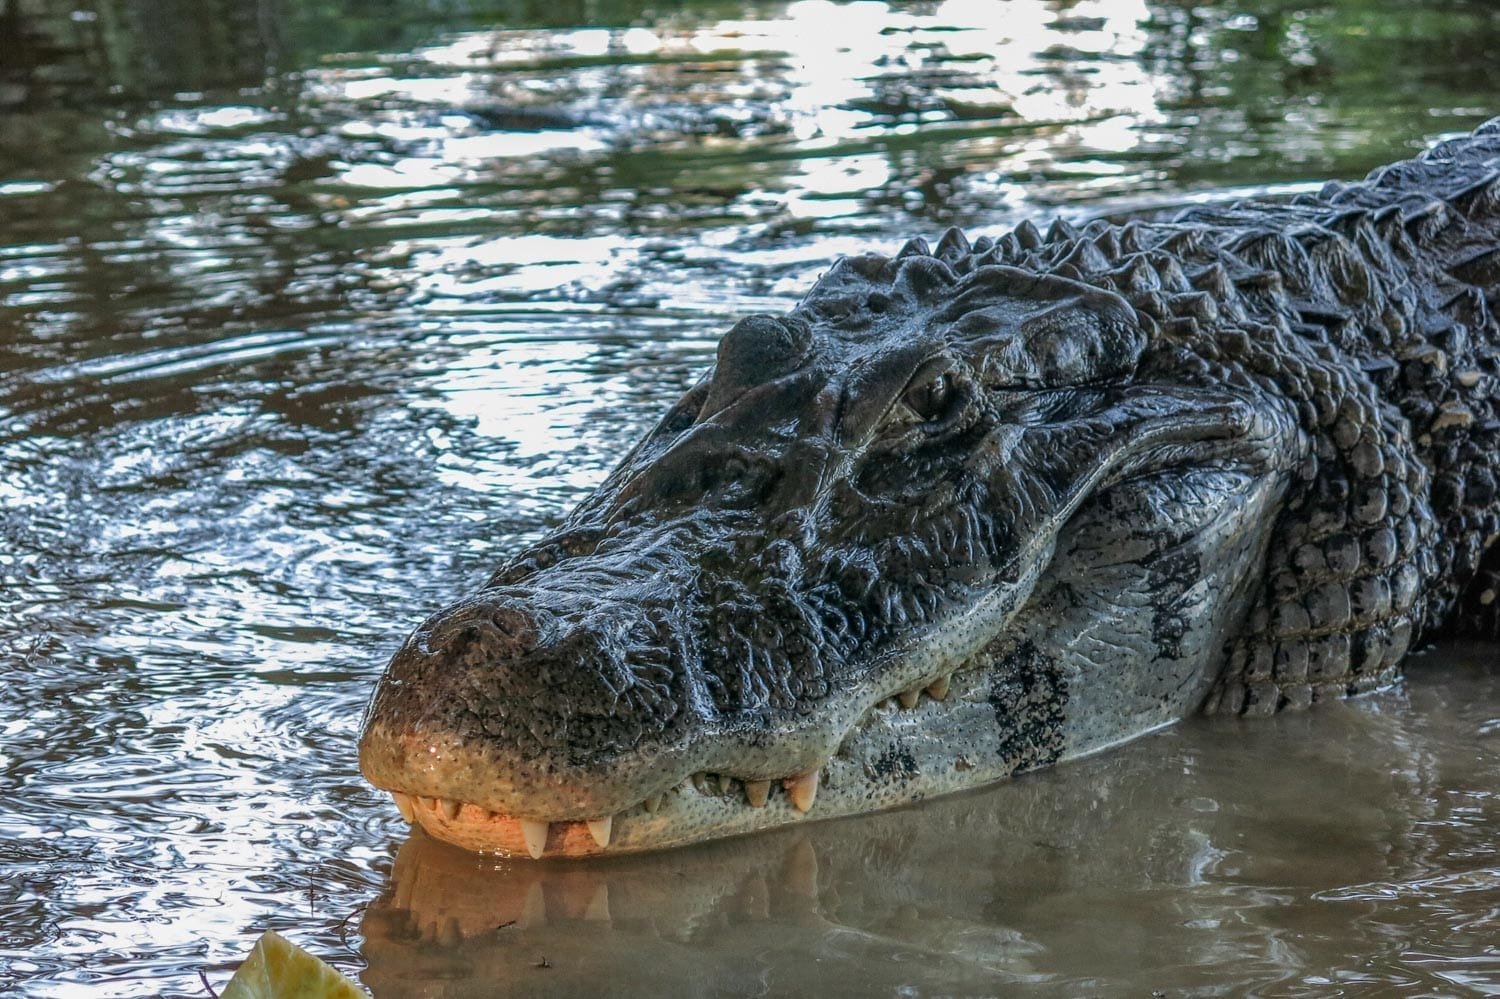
434,762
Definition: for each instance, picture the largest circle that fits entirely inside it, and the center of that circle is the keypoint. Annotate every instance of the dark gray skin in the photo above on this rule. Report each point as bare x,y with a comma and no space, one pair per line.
976,509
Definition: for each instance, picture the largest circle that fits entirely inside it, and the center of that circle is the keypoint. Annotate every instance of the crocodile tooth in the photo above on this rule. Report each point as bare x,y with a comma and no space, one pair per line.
700,782
802,789
535,835
428,803
652,803
449,807
403,805
756,792
908,698
726,783
600,830
938,689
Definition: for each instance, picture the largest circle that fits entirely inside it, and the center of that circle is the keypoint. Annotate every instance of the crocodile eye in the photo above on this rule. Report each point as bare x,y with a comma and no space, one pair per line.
930,397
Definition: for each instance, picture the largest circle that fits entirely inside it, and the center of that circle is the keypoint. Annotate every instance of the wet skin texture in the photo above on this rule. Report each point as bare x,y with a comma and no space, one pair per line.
974,509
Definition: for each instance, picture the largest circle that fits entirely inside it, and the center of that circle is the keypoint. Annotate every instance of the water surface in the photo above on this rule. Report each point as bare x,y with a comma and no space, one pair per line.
310,312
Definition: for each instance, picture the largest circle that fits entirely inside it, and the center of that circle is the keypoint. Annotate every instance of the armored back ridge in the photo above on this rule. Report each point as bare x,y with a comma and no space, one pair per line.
974,509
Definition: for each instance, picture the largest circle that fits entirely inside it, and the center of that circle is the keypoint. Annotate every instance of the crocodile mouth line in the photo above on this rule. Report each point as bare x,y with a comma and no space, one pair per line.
702,798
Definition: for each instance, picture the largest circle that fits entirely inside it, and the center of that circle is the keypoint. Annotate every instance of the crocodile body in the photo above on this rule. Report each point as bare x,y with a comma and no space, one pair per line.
975,509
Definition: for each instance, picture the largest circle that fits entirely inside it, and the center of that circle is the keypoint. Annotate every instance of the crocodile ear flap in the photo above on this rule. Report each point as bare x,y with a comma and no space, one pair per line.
1345,590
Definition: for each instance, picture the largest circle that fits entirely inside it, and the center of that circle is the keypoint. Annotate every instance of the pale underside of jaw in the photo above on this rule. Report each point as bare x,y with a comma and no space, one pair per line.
857,778
895,756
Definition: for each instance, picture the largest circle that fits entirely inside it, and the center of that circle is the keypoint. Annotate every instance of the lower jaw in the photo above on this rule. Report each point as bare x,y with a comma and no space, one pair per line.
896,756
684,816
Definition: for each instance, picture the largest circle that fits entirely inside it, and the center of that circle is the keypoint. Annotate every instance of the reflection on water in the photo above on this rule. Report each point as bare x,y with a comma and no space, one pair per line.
311,310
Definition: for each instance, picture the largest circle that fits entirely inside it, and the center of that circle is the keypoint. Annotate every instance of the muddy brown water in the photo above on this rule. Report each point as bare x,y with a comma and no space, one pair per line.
309,312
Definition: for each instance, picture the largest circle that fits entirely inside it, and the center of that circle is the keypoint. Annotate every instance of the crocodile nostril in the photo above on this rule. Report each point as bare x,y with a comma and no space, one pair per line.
485,633
516,625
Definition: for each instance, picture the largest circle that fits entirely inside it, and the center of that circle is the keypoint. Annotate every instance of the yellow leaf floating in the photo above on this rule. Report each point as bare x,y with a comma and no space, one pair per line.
279,969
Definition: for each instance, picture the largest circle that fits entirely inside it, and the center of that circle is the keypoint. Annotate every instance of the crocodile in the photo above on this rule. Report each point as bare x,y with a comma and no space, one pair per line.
978,508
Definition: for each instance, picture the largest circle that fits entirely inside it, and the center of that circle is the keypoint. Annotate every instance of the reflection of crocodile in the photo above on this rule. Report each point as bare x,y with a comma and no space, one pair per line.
1177,863
977,509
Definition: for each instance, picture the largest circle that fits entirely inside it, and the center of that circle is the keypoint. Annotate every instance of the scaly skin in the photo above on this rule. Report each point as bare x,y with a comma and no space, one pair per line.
977,509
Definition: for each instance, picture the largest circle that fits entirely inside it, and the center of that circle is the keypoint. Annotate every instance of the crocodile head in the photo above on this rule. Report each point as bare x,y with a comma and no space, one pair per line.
946,520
